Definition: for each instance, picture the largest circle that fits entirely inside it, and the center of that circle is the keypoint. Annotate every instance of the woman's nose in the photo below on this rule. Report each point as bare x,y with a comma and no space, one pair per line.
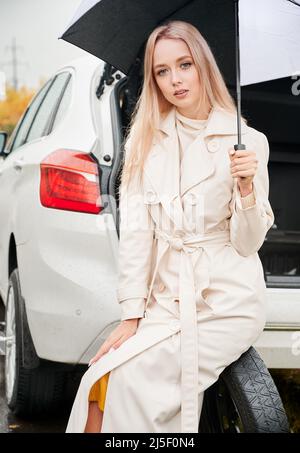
175,78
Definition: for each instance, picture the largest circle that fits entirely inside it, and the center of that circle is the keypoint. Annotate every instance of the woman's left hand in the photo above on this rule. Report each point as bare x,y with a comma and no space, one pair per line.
243,167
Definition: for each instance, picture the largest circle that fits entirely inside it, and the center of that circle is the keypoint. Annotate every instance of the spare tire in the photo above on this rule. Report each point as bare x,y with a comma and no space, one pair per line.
244,400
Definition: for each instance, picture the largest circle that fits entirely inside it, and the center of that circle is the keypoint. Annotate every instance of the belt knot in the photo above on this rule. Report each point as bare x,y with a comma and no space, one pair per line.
176,242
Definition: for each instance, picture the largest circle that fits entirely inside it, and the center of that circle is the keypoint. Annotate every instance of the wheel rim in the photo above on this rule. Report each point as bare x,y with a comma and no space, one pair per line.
10,345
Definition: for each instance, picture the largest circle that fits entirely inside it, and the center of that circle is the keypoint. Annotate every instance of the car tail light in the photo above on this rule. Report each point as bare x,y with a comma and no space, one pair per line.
70,181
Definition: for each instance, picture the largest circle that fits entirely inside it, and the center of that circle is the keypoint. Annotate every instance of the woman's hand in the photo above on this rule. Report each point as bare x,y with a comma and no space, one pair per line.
122,332
243,166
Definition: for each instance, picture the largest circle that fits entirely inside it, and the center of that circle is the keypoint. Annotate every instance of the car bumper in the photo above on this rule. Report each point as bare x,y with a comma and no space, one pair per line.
279,348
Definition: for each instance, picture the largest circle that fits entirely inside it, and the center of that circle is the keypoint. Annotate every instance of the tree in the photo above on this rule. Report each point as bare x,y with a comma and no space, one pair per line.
13,107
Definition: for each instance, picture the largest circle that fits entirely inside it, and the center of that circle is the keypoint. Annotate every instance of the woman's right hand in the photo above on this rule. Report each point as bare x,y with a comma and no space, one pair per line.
121,333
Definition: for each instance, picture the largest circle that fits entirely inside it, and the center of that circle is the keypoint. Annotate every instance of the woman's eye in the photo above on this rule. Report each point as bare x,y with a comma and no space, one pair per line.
161,71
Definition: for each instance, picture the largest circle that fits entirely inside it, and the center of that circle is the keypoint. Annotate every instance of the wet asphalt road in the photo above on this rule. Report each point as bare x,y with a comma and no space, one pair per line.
12,424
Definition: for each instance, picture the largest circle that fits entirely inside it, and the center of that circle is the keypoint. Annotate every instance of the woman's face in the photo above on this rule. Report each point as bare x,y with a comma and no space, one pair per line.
174,69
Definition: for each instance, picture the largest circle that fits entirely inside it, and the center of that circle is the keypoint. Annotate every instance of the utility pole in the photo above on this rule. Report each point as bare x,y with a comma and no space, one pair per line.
14,62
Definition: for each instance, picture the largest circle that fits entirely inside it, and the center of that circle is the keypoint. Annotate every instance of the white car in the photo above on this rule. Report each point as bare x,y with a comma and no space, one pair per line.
58,247
59,236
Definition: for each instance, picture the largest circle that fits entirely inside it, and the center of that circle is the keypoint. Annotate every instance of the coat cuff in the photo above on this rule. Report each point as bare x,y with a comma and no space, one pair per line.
246,202
132,292
132,308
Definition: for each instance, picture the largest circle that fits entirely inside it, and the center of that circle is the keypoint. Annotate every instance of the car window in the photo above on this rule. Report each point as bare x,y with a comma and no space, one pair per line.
64,104
45,111
28,117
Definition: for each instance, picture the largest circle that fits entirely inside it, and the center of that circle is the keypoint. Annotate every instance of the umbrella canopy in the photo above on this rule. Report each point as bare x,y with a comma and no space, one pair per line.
269,39
268,32
116,30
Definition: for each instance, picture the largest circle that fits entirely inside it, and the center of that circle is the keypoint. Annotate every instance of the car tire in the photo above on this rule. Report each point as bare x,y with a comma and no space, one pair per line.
32,386
244,400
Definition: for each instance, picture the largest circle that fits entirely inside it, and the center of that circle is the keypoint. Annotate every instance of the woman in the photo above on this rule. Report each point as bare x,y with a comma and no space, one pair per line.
194,213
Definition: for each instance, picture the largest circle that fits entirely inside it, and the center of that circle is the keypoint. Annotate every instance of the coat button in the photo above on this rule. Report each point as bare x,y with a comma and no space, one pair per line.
174,324
161,287
205,293
213,145
151,196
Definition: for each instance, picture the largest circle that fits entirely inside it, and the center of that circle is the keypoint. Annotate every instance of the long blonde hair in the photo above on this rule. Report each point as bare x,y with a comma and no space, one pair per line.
151,104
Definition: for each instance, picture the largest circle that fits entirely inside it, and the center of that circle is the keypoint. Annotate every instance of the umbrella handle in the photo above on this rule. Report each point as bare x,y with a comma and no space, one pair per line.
240,147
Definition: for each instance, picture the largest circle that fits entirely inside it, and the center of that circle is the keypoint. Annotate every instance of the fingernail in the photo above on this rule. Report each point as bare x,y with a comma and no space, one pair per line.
231,152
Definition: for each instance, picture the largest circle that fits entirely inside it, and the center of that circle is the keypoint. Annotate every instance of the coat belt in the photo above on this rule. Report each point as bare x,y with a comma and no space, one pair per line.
188,313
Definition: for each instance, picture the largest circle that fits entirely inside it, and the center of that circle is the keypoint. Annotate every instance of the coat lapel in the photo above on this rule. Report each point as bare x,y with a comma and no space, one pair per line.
196,166
162,166
163,173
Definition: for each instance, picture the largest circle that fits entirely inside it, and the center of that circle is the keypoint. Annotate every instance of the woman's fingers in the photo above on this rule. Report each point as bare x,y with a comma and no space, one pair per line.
241,160
240,154
242,163
124,331
243,173
103,350
119,342
107,345
243,167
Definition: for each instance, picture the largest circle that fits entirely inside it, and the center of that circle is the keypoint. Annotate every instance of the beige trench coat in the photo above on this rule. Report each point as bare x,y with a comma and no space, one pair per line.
188,247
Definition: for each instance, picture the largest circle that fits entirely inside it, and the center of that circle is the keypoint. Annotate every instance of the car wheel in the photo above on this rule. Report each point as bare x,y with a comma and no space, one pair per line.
32,386
244,400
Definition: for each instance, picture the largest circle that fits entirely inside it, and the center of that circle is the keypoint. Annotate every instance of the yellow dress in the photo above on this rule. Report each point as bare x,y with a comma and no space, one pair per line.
98,391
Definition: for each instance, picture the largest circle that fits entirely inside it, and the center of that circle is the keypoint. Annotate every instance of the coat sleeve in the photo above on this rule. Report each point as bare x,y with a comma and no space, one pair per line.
135,249
252,216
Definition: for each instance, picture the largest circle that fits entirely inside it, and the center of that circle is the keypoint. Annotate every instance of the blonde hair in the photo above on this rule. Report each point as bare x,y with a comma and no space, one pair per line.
151,104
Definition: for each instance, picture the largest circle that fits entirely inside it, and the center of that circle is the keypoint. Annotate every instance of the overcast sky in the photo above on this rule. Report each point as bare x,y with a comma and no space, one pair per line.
36,25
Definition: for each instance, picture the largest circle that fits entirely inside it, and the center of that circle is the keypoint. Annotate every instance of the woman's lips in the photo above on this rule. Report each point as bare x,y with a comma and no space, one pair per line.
181,94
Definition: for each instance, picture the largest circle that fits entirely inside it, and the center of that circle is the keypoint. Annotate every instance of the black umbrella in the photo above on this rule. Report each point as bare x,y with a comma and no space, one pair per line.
116,31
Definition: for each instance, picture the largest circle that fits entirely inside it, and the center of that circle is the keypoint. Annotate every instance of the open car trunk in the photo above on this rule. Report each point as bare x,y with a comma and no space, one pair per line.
272,108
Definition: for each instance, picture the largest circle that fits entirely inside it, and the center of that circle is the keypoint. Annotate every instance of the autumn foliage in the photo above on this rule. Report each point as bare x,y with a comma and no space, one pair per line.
13,107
